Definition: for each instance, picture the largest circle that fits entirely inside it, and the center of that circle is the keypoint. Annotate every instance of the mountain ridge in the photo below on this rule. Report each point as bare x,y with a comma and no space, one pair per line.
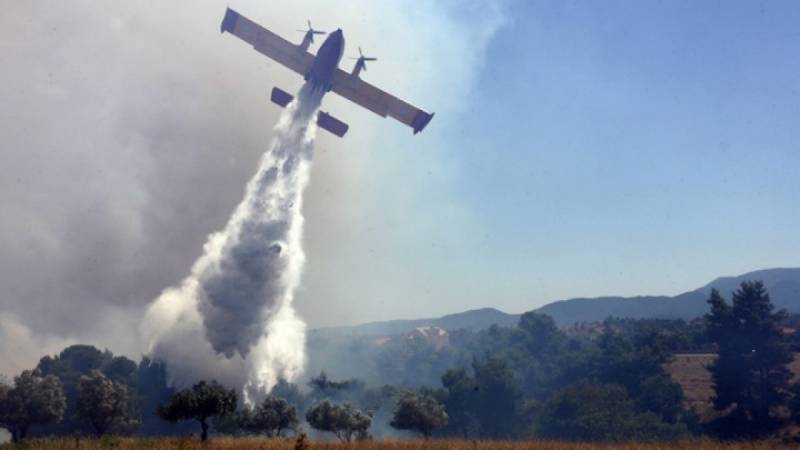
782,283
471,319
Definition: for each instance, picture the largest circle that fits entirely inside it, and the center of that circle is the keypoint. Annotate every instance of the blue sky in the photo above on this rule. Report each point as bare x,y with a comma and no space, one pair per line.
633,147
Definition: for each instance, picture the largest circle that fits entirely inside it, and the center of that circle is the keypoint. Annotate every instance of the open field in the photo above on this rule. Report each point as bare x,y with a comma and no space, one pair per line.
691,372
288,444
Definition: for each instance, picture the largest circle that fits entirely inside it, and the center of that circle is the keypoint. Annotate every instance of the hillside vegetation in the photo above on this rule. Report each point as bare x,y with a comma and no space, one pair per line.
726,376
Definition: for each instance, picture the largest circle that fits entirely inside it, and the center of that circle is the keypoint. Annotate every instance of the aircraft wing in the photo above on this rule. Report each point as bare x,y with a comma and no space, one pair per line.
381,103
267,42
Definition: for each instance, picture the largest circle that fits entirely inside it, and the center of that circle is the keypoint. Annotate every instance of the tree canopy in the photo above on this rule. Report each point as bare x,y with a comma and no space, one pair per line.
33,400
344,421
750,373
270,417
200,402
419,412
104,403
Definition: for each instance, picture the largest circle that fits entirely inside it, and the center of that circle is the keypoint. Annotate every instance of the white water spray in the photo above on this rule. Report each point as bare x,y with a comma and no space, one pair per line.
232,319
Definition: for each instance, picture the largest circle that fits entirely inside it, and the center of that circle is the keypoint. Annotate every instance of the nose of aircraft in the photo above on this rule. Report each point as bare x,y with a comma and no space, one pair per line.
338,34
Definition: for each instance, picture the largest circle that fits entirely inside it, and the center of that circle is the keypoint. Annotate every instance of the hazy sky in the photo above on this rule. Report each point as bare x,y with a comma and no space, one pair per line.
579,149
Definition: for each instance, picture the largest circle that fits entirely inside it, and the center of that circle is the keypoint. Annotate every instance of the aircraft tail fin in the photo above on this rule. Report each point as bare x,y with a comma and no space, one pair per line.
324,120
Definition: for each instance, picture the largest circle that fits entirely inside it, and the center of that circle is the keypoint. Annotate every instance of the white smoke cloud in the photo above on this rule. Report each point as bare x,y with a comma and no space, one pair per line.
130,127
235,309
20,347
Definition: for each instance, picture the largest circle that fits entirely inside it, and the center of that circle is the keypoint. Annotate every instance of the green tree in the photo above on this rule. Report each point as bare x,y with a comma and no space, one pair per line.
200,402
750,373
419,412
540,334
103,403
151,390
599,412
271,417
344,421
69,366
33,400
499,400
459,401
634,359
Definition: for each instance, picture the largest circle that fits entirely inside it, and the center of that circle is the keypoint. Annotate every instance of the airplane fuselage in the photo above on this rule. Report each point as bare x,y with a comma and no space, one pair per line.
327,60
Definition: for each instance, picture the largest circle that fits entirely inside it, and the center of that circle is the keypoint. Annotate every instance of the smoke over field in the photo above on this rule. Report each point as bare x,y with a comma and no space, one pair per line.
232,318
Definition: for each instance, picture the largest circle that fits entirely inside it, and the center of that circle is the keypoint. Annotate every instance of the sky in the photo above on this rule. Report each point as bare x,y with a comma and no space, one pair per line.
578,149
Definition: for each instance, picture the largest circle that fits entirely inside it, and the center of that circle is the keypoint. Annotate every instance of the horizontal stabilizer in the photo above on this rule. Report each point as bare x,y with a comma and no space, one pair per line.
324,120
280,97
332,124
421,120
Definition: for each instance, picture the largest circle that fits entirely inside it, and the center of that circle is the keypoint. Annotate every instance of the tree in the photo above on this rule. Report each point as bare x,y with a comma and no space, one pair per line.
33,400
460,400
271,417
634,358
420,413
344,421
323,387
103,403
292,394
200,402
69,366
599,412
750,373
540,334
151,390
499,398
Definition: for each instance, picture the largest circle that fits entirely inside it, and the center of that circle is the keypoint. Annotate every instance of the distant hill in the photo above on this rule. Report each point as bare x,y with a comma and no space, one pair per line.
783,286
365,351
476,319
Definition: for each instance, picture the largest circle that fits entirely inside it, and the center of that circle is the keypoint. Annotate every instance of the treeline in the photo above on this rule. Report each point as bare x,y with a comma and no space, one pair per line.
589,382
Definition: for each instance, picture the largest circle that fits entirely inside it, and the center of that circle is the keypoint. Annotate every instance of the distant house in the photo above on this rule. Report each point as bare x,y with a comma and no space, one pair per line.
433,335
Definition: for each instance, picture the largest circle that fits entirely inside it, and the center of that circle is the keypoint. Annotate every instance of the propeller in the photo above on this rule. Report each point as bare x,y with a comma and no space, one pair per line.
310,32
363,59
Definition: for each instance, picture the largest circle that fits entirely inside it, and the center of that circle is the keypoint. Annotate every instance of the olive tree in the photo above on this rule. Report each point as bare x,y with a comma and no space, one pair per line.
270,417
344,421
32,400
200,402
103,403
419,412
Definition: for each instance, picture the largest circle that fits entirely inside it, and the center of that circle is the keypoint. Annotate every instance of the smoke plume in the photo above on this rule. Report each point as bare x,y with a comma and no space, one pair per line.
232,318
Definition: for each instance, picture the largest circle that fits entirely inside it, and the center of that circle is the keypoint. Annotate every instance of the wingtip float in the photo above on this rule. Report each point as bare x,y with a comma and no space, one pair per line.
323,71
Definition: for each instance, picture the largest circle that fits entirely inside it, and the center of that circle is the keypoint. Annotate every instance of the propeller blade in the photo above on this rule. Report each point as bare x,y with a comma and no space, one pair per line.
370,59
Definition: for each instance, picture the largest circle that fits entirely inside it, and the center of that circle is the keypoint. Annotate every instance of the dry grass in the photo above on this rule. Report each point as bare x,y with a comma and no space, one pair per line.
434,444
690,371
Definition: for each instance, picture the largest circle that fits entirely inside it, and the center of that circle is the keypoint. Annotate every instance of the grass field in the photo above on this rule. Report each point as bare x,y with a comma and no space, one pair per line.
288,444
691,372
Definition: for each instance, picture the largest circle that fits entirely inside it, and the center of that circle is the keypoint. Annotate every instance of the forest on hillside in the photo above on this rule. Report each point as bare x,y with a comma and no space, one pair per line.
603,382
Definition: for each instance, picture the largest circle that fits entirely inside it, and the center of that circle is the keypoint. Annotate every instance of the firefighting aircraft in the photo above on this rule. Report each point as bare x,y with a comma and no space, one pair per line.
323,70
